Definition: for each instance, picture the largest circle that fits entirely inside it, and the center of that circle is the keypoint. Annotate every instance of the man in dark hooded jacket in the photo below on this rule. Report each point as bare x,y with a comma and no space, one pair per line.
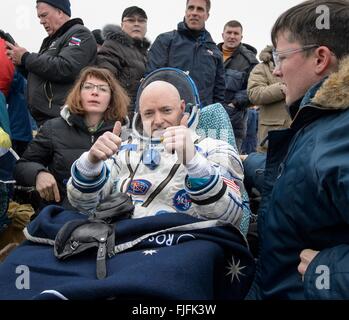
124,51
239,59
191,48
68,48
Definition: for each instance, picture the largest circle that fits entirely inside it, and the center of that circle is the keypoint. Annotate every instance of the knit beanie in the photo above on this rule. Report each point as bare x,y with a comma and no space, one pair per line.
63,5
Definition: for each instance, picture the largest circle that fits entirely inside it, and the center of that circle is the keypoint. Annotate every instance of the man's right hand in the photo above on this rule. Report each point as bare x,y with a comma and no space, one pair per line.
106,145
46,185
15,53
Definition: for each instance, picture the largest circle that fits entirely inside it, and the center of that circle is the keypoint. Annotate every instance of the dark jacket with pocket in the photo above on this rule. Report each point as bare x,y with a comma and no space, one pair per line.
57,145
52,72
237,69
125,57
305,199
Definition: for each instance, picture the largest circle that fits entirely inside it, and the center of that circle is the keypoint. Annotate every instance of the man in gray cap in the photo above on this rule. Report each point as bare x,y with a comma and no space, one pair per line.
68,48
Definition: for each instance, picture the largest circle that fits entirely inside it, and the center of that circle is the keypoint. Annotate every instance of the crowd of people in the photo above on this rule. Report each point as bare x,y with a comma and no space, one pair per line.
98,114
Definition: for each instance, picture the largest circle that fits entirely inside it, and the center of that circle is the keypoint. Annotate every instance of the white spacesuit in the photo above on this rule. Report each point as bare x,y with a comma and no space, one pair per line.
158,182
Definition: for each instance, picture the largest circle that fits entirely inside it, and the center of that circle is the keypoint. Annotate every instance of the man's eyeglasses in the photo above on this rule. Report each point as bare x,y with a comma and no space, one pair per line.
279,56
102,88
134,20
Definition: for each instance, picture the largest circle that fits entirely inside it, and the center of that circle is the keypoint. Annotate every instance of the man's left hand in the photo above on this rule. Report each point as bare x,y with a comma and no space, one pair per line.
307,257
179,139
15,53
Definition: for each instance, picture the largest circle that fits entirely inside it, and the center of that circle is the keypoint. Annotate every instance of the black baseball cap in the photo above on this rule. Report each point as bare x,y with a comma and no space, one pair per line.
133,11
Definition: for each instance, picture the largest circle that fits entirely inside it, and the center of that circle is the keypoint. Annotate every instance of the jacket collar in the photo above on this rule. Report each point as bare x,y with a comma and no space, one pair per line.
114,32
236,51
76,120
334,92
244,49
203,34
331,94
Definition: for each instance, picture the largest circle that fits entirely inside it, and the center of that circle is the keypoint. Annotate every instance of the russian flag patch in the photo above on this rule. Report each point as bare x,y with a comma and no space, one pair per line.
74,41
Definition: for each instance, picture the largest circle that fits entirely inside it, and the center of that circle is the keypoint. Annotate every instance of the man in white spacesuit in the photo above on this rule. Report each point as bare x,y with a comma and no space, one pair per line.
164,166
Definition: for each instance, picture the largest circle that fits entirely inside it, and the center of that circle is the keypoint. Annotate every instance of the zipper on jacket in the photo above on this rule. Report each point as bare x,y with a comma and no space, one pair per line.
92,139
127,158
255,286
49,95
197,45
162,185
291,147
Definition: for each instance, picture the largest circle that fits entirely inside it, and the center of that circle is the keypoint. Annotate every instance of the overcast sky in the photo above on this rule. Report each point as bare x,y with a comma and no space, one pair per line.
18,17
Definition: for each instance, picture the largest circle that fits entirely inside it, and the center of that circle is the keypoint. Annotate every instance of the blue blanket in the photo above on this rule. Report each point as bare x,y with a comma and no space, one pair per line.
169,256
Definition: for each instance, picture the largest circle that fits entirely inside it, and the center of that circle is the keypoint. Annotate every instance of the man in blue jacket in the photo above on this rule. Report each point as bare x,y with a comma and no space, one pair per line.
191,48
304,219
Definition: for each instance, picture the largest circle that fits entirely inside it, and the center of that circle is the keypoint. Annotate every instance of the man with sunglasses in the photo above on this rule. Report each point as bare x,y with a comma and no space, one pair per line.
303,216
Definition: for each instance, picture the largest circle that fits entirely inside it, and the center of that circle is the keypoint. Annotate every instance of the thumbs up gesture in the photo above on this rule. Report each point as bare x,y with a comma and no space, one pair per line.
106,145
184,120
179,139
117,128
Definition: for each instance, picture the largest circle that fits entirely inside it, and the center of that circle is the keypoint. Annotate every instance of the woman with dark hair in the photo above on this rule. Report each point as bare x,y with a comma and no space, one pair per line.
93,105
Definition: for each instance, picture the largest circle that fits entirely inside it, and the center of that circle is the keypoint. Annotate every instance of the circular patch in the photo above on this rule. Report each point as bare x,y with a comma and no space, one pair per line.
182,201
